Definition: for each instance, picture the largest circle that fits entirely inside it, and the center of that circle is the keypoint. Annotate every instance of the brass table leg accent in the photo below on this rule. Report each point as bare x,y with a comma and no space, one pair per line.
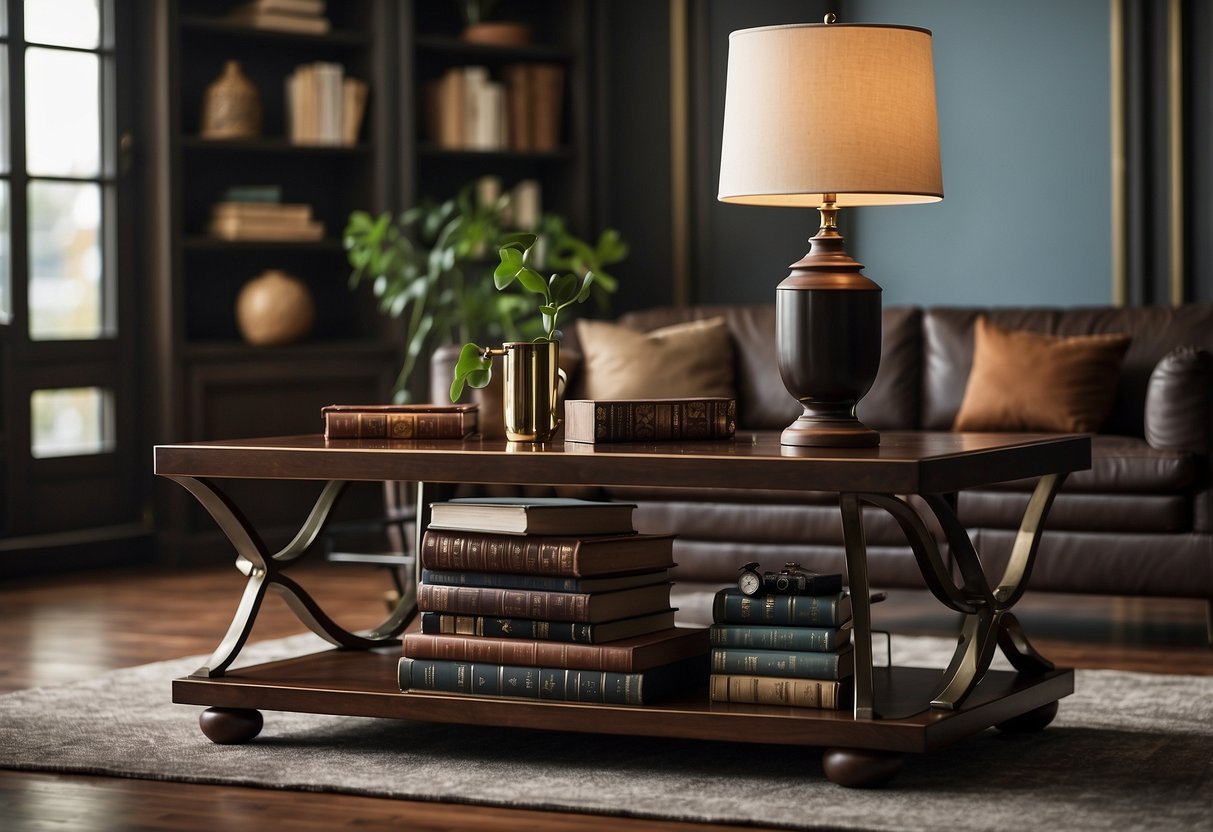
988,622
265,572
861,608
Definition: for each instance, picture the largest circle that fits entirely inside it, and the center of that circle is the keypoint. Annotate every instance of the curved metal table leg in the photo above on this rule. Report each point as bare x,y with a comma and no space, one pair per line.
988,622
265,571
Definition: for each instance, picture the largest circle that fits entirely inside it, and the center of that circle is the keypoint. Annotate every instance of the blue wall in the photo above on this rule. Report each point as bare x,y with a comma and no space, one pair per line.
1023,96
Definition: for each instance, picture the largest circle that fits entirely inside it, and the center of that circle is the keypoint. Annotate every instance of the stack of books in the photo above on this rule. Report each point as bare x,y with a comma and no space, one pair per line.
556,599
283,15
520,109
782,649
256,220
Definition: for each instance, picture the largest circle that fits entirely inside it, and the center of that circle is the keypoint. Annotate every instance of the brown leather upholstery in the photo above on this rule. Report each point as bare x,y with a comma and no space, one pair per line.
1139,522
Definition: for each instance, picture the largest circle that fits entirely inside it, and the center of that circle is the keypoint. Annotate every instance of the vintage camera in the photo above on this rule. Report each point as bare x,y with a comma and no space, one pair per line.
791,580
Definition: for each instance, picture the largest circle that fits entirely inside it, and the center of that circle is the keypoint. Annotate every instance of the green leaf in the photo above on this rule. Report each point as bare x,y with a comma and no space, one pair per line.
587,284
563,288
532,282
471,368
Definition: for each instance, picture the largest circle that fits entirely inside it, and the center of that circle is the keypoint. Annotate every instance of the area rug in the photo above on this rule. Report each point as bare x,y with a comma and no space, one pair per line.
1127,751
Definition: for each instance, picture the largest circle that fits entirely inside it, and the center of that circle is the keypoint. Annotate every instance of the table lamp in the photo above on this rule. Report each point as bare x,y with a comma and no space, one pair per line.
828,116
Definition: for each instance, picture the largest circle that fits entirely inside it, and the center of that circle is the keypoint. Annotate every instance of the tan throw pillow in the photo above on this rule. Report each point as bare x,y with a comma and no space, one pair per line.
1030,381
691,359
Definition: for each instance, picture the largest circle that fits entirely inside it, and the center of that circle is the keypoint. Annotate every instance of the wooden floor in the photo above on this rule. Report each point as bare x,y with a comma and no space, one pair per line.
58,629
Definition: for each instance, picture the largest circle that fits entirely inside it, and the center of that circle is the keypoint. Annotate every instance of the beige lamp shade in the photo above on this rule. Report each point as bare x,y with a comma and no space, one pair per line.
838,109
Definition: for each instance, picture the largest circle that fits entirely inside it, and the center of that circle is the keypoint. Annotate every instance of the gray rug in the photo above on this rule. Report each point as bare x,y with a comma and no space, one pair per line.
1128,751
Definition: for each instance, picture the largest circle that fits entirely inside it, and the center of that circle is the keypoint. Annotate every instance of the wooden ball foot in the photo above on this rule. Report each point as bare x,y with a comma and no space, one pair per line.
1034,720
230,726
859,768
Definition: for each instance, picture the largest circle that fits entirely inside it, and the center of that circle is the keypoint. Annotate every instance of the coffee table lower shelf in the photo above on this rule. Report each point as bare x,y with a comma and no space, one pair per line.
363,683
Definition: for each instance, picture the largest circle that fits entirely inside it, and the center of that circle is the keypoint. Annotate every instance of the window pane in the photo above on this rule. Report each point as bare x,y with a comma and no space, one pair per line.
63,22
65,282
6,263
71,422
62,113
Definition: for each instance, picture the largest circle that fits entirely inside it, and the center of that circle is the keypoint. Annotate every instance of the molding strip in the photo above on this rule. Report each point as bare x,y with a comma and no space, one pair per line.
680,175
1116,71
1175,140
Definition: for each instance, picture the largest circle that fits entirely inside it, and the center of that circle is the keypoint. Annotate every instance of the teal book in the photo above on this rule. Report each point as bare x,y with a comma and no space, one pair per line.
557,684
731,607
791,664
437,623
544,583
759,637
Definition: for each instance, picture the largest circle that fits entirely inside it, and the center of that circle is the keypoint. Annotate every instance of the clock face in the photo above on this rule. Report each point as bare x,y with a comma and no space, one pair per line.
749,583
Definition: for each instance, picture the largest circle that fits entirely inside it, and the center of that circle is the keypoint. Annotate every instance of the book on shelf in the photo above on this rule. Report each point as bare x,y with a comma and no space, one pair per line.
324,106
559,684
468,108
546,95
630,655
649,420
586,607
244,194
800,664
758,637
773,690
548,583
532,515
261,15
729,606
296,7
572,631
564,555
399,421
264,228
286,213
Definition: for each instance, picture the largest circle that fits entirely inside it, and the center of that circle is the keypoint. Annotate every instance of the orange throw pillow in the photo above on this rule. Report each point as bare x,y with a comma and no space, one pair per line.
1024,381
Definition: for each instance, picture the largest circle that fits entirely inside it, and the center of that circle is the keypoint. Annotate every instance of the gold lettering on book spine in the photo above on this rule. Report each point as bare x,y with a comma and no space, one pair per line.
400,425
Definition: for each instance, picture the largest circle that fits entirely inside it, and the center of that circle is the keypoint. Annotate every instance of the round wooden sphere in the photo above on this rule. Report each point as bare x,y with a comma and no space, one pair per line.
274,308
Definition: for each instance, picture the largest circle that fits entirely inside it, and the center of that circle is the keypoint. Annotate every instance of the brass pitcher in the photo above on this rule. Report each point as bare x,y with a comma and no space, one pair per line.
533,385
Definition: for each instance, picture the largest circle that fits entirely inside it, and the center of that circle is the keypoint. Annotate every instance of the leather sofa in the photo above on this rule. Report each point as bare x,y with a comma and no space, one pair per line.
1138,523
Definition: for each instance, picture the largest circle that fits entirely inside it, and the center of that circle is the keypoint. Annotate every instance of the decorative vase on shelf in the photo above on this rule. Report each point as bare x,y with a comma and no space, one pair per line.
274,308
497,33
232,106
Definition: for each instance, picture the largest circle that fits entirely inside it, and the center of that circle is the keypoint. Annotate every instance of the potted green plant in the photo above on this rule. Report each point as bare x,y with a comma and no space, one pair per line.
429,267
532,375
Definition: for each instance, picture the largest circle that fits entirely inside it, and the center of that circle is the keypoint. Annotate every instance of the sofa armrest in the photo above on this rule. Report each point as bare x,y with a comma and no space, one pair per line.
1177,415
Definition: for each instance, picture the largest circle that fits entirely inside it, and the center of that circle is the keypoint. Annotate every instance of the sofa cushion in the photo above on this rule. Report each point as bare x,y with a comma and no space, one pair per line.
1124,465
1023,381
1178,401
1155,330
687,359
1078,512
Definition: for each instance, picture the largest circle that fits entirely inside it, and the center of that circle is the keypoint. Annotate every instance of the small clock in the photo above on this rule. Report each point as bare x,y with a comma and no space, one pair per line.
750,580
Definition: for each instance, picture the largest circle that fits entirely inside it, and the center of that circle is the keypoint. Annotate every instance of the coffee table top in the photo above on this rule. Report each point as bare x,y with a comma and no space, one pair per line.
910,462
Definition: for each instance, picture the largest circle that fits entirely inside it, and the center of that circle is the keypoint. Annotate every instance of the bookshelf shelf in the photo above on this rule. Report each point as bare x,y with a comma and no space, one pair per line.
458,50
210,244
218,27
429,151
272,145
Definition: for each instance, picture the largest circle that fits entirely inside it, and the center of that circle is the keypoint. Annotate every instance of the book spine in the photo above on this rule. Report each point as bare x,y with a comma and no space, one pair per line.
476,552
546,583
489,679
527,652
641,421
780,663
765,690
511,603
815,639
353,424
475,625
731,607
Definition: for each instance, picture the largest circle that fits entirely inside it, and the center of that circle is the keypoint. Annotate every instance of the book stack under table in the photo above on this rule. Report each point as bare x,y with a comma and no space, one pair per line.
548,599
782,649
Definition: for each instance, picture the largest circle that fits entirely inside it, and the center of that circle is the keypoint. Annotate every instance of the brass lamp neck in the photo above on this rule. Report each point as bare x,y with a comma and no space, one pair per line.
829,217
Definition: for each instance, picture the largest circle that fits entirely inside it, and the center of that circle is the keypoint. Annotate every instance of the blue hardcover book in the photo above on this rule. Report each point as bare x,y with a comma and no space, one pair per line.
798,665
604,688
731,607
759,637
437,623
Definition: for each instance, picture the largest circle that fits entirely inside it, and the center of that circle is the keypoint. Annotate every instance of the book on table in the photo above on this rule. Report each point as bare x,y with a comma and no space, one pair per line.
400,421
560,555
490,626
532,515
586,607
775,690
763,637
731,607
436,676
629,655
649,420
548,583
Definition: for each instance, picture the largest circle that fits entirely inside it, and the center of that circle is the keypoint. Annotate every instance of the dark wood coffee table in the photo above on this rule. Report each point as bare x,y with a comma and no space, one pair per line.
897,709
